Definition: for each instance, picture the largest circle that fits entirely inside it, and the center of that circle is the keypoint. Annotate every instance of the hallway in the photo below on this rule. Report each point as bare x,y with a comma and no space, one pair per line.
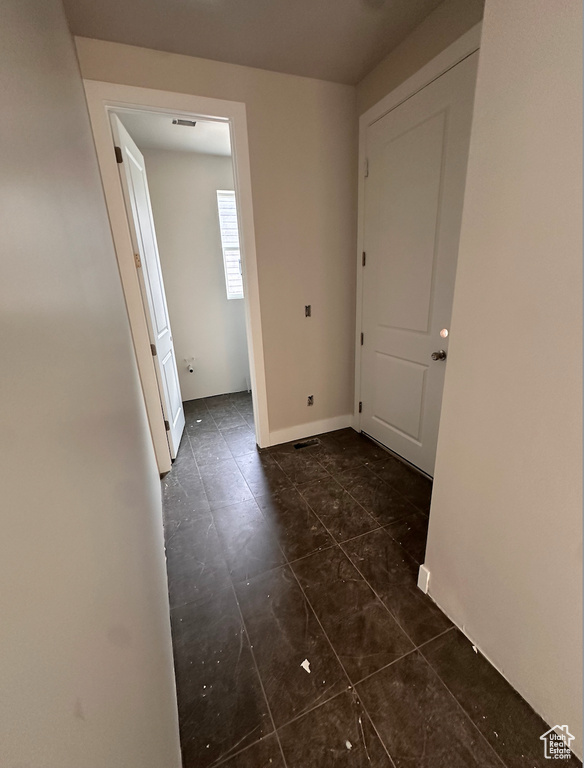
300,637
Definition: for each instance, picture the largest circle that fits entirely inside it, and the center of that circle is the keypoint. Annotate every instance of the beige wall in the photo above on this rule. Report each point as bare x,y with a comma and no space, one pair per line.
206,325
302,136
505,539
86,669
443,26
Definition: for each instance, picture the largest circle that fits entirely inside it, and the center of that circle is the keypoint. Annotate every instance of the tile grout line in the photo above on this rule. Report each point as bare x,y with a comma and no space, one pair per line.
351,686
389,485
363,577
377,596
397,519
374,592
379,525
369,514
413,650
462,709
218,763
288,563
244,625
402,463
400,658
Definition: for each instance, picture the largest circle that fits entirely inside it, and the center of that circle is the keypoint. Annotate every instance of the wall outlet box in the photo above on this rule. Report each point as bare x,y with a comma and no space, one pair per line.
423,579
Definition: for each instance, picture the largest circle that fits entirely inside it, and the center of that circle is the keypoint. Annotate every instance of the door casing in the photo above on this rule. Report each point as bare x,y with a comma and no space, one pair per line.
450,57
104,97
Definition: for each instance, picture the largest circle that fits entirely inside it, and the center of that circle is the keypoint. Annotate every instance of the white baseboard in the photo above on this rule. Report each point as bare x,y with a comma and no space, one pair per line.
301,431
423,579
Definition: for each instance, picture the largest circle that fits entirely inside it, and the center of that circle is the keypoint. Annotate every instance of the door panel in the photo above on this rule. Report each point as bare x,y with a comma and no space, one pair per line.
406,187
405,379
417,156
139,210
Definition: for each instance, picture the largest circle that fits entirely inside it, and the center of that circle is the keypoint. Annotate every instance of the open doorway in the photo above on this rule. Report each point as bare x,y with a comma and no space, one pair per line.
190,186
200,201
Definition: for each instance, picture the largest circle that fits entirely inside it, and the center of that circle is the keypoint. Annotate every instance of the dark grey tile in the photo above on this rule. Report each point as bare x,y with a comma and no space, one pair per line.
224,483
411,533
283,631
192,407
184,474
241,440
263,754
228,418
183,502
361,630
347,449
262,474
301,465
393,576
337,734
221,705
192,539
249,540
243,404
185,452
201,423
298,529
412,484
419,721
217,401
196,565
210,447
376,496
505,719
336,457
337,509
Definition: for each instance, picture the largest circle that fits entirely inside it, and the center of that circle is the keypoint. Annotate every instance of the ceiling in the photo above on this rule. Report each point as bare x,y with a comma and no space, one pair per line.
151,130
338,40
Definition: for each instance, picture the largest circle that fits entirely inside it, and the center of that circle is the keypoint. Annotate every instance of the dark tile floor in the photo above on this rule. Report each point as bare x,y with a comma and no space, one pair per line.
300,637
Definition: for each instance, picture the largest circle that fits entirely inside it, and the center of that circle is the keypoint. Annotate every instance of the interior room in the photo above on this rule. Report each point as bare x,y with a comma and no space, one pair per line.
291,428
189,171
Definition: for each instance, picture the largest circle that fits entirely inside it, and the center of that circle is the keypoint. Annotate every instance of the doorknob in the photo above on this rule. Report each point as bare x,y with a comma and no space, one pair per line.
440,355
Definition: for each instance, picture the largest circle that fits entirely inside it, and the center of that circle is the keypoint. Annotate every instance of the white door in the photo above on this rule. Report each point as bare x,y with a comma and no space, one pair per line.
417,156
138,208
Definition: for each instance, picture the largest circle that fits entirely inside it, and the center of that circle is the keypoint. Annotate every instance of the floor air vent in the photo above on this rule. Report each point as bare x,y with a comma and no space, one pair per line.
306,444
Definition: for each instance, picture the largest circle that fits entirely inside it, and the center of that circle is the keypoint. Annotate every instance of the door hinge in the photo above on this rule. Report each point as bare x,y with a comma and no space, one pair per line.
119,156
364,258
360,407
153,350
166,425
366,167
137,260
362,338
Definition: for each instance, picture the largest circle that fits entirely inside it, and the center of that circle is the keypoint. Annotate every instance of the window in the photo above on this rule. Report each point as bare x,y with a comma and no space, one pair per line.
230,243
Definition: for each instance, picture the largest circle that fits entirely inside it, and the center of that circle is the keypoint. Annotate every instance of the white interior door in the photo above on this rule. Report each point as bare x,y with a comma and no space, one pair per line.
417,156
139,210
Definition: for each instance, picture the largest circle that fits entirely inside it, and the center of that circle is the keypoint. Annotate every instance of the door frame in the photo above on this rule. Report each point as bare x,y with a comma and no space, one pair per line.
103,97
465,46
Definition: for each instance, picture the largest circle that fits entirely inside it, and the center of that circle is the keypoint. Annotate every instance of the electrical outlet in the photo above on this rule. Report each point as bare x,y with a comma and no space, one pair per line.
308,310
310,400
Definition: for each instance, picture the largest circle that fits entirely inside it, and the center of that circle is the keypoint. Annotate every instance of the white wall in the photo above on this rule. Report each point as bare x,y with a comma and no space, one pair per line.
206,325
505,539
302,139
86,669
449,21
